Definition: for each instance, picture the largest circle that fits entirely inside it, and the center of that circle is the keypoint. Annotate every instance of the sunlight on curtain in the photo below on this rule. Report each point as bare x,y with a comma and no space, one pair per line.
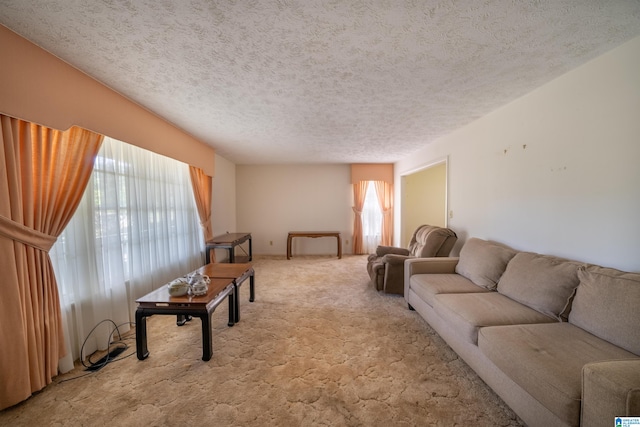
136,229
371,220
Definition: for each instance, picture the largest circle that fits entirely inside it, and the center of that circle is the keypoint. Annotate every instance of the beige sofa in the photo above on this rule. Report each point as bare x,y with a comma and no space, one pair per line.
557,340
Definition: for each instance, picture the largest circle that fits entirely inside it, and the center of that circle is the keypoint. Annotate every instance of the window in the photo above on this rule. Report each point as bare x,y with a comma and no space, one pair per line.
371,220
135,229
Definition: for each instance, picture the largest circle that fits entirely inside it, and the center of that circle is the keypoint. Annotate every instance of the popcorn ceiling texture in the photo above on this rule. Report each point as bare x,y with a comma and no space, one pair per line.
296,81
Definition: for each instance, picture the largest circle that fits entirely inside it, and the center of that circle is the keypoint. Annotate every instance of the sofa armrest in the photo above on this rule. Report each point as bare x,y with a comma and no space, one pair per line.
384,250
436,265
610,389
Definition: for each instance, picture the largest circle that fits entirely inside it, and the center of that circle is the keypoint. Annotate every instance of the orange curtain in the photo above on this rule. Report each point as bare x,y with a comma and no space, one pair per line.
43,174
202,185
384,191
359,193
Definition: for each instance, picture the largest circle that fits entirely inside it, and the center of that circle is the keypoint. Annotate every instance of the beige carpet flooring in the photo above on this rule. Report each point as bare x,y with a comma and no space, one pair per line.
318,347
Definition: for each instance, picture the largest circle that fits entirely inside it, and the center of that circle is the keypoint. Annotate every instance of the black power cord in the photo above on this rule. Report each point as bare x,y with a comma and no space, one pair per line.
114,349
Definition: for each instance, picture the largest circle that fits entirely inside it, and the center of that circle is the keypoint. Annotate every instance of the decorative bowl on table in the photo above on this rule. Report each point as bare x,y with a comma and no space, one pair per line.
200,288
178,287
199,284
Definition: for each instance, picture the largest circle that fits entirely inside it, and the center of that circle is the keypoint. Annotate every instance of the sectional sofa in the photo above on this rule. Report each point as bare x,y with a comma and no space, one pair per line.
557,340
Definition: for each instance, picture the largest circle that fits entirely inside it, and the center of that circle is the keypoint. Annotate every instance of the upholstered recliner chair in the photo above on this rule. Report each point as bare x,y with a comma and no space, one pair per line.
386,266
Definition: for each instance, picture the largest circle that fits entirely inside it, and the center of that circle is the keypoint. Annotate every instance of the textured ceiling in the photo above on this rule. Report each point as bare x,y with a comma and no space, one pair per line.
334,81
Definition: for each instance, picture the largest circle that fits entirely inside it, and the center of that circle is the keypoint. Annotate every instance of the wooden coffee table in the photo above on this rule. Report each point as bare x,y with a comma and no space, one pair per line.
238,272
160,302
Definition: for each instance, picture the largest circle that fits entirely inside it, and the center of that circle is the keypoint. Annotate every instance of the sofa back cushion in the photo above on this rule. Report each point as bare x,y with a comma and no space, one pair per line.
542,282
607,304
483,262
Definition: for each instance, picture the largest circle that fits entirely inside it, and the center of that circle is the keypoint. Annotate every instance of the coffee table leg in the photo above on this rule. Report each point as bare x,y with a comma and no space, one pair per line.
207,344
181,319
234,316
141,335
236,303
252,288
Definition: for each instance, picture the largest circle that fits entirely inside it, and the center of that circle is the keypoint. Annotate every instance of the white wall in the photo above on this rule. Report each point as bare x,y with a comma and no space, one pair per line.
556,171
223,201
275,199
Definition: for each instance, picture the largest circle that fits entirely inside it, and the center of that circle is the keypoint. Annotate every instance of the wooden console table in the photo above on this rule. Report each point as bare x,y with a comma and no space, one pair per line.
228,241
314,234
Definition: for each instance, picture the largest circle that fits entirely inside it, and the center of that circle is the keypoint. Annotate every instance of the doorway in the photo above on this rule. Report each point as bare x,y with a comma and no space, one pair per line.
424,199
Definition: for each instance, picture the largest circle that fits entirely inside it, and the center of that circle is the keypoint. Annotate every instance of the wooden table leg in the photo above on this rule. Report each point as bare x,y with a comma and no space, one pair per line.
207,344
141,335
234,311
181,319
252,287
252,293
289,238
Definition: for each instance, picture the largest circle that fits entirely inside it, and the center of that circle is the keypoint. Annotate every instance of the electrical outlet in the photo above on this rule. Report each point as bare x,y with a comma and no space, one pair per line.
451,214
270,242
346,242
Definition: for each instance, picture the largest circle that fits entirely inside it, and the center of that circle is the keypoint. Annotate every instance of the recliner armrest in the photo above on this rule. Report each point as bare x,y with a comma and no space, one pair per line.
395,259
436,265
610,389
384,250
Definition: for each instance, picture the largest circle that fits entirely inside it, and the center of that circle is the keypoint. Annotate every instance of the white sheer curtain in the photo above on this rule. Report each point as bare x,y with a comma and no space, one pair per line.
136,228
371,220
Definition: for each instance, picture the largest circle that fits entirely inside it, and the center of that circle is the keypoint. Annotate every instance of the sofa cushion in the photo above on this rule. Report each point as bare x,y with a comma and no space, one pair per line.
483,262
542,282
607,304
546,360
426,286
466,313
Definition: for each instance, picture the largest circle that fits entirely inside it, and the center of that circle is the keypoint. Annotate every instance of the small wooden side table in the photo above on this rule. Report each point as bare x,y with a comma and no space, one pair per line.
228,241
